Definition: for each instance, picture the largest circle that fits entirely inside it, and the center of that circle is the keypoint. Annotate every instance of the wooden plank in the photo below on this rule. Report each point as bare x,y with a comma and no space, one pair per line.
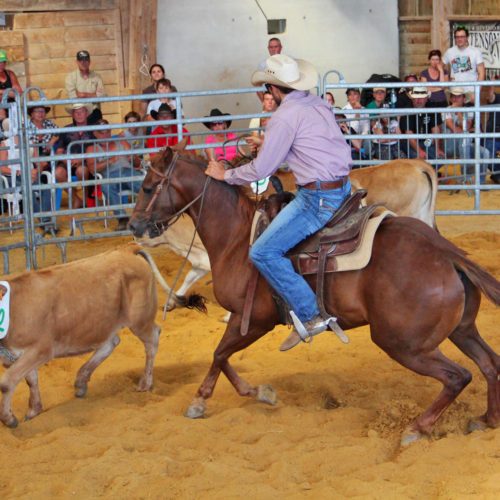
416,48
11,38
66,65
119,61
54,5
53,19
69,50
412,38
70,34
415,27
49,81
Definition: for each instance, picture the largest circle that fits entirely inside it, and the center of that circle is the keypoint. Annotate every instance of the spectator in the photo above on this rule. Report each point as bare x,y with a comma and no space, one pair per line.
133,134
165,112
8,80
424,122
274,47
358,122
329,97
84,83
112,168
357,150
8,153
268,106
36,126
156,72
436,73
163,86
460,123
378,101
80,113
218,128
493,125
466,62
387,149
403,99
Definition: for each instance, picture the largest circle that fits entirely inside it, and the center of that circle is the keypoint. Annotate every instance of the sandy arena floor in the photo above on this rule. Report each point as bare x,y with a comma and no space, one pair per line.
333,434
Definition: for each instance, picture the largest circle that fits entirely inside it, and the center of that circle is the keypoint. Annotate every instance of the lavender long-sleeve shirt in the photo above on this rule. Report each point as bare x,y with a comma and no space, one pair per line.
303,132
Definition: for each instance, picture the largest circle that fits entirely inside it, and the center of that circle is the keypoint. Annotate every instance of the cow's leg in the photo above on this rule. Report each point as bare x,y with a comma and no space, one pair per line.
35,402
29,360
231,342
86,370
192,277
150,337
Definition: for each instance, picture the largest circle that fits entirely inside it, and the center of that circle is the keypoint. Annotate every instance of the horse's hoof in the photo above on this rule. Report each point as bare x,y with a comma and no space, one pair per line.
80,391
196,408
12,422
410,437
477,424
266,394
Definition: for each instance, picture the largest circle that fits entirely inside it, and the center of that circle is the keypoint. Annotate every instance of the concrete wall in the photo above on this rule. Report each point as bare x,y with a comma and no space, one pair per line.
218,44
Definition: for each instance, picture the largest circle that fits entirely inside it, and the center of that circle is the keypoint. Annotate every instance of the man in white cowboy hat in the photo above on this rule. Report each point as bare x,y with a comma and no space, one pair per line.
80,113
425,122
303,132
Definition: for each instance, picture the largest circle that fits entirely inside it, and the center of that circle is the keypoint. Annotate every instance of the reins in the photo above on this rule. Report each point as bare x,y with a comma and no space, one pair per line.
166,177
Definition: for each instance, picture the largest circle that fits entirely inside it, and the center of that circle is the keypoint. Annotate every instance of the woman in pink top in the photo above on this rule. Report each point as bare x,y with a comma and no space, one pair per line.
219,135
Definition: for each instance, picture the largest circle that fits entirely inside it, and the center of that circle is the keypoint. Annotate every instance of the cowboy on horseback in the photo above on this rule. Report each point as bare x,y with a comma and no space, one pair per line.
303,132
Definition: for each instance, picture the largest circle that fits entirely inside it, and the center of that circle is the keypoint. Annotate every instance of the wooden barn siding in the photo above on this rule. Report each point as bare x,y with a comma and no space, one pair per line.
424,25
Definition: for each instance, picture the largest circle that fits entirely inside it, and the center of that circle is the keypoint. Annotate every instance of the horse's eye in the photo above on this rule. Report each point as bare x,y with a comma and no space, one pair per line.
147,190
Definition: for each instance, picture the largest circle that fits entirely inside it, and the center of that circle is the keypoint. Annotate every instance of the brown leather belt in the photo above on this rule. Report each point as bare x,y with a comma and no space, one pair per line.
325,185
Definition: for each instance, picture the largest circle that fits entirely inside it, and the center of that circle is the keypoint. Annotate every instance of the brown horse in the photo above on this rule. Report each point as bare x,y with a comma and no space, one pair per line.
417,290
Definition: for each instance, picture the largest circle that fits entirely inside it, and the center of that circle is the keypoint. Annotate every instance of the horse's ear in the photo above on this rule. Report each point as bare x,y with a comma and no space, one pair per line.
181,146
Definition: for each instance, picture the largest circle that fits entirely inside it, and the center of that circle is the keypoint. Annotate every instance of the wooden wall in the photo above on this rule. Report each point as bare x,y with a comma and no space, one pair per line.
45,37
425,25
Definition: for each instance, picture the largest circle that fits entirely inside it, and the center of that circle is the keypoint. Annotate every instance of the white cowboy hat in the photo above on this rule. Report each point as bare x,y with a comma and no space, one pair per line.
284,71
78,105
419,92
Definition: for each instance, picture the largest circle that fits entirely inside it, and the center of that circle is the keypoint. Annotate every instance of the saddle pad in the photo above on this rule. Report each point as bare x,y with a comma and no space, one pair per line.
361,256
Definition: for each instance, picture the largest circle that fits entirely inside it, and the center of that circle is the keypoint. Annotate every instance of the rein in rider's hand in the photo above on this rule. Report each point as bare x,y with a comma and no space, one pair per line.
215,170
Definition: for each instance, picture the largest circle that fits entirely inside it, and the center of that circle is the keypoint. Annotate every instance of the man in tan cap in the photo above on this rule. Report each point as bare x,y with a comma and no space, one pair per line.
303,132
84,82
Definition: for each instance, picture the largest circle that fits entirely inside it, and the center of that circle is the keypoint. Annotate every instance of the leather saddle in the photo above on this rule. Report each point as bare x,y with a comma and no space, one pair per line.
316,254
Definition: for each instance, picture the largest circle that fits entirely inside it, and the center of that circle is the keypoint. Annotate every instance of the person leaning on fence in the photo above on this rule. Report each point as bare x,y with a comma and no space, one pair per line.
359,123
165,112
8,80
80,113
8,170
163,86
403,99
459,123
113,167
466,62
133,134
83,83
425,122
37,127
268,106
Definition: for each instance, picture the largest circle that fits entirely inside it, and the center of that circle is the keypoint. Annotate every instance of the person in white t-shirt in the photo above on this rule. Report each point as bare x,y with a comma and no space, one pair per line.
466,62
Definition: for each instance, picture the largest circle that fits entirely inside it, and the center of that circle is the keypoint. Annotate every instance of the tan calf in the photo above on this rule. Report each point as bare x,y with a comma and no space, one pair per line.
76,308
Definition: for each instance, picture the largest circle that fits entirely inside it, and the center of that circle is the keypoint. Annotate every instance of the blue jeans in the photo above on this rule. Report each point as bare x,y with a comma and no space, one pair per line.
112,191
493,146
306,214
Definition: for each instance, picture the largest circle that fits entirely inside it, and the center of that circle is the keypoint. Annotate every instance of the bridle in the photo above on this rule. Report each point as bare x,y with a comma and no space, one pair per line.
159,188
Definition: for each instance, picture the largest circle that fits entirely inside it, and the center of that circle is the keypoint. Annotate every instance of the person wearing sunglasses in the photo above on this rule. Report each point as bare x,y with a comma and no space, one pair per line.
466,62
303,132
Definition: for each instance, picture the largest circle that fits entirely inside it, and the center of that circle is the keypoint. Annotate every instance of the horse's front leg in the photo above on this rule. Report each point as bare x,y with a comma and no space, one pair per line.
231,342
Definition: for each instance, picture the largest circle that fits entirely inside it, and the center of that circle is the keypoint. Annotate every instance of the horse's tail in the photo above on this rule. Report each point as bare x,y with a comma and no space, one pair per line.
193,301
432,179
479,277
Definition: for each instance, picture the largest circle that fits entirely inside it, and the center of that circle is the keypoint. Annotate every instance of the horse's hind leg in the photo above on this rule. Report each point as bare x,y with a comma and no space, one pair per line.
231,342
470,343
433,364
